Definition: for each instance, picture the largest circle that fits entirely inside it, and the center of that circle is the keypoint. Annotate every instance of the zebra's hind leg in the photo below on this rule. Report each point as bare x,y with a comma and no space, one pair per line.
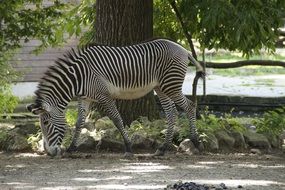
170,113
112,112
83,108
190,109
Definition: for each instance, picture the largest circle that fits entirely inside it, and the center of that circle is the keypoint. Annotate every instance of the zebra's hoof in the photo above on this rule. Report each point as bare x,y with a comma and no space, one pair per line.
128,155
201,147
71,149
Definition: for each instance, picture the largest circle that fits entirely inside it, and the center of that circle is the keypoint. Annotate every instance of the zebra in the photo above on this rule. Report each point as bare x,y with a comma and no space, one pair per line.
102,74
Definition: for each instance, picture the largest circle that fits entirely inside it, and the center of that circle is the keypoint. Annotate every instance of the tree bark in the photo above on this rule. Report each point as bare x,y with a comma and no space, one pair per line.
126,22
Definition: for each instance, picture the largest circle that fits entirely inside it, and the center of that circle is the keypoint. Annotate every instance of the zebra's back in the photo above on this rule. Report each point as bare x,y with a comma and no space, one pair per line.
128,67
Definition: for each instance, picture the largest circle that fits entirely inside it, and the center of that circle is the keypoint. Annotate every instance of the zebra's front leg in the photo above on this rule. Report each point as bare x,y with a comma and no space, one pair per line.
170,113
112,112
83,106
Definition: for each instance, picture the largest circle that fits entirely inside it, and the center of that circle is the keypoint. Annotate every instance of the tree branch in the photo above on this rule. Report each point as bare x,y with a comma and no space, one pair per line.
187,34
244,63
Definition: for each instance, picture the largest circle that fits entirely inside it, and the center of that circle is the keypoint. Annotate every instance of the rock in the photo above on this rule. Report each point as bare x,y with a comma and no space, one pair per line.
112,133
252,128
86,143
26,128
90,126
186,146
104,123
141,142
17,142
110,145
10,140
255,151
274,140
211,143
226,142
256,140
239,140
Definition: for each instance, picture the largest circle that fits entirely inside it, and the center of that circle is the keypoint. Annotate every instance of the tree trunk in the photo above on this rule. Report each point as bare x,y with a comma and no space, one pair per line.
126,22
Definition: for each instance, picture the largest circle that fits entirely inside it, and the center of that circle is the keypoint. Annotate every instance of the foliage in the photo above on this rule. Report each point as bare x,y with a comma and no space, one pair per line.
52,23
19,22
78,20
34,140
22,20
245,26
272,122
165,22
231,123
208,124
4,137
8,102
71,116
6,70
145,127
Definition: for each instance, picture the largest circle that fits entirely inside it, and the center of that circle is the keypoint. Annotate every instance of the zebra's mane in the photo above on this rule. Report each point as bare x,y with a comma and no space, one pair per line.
66,59
142,42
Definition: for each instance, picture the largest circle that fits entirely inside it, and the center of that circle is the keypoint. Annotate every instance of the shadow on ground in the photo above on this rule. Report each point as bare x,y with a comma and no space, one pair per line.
112,171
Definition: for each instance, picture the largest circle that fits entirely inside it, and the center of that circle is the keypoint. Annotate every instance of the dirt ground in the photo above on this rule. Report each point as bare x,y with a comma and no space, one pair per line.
112,171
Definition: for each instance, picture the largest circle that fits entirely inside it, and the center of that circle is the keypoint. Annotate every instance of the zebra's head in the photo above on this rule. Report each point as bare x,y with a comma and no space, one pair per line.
53,126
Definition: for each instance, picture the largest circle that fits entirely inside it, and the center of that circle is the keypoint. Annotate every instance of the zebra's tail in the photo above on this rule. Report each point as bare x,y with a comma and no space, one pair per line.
199,67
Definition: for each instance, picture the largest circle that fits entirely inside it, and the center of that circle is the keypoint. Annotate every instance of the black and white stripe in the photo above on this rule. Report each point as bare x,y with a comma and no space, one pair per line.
103,74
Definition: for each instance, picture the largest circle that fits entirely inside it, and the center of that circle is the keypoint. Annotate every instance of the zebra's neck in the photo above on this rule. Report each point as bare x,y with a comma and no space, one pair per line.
57,87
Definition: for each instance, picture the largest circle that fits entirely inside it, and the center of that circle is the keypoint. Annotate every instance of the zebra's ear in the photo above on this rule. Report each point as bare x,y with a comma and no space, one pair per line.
35,109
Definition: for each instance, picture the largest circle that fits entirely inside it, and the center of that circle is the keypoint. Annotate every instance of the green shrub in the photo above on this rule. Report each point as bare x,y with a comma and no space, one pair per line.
8,102
232,124
71,116
33,140
272,122
151,129
208,124
4,137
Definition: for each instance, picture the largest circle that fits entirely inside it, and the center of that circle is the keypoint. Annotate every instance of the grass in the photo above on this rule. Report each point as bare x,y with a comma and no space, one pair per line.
264,82
260,82
249,71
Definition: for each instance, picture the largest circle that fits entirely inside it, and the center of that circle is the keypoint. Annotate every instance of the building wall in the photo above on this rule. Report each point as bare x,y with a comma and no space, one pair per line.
33,66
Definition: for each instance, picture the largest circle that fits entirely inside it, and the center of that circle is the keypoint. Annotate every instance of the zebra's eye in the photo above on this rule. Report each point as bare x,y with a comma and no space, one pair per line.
45,122
71,70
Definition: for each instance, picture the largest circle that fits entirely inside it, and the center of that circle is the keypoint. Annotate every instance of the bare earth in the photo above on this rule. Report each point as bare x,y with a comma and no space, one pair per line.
112,171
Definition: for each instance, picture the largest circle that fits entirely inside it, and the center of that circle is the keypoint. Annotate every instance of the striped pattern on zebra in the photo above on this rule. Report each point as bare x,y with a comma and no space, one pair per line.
101,74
